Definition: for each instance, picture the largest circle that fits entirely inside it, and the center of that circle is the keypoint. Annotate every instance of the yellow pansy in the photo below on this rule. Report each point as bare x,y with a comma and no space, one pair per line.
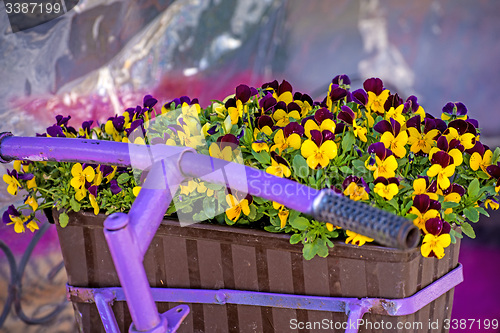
318,155
236,207
356,239
385,168
443,174
283,143
435,244
80,176
477,161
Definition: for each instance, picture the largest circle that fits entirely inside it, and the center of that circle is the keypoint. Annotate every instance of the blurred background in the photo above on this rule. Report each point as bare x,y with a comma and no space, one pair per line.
102,56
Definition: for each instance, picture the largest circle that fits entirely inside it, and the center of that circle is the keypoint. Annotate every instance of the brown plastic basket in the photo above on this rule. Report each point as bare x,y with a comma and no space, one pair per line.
218,257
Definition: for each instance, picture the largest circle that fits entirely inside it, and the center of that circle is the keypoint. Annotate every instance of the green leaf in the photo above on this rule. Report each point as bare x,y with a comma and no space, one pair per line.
253,213
473,189
248,137
300,223
208,208
295,238
482,211
348,141
472,214
345,170
263,157
75,205
496,155
449,204
309,251
271,228
360,165
322,250
450,217
63,220
467,229
123,178
300,167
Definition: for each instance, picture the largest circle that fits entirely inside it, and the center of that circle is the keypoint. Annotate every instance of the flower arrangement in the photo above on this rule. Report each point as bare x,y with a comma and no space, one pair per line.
368,144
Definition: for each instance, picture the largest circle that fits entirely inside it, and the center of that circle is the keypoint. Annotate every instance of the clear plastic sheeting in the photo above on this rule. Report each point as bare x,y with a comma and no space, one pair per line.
102,56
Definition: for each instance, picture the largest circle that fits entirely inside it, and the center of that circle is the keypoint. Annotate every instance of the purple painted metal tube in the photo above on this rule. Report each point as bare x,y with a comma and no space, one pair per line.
128,264
103,300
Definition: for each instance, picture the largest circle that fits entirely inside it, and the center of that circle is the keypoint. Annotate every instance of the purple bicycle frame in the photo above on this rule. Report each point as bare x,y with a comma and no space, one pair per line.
129,235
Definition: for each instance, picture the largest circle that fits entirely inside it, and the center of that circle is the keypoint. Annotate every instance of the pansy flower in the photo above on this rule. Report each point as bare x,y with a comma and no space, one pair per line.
12,217
491,203
114,126
321,121
356,239
382,162
421,141
463,131
494,172
279,166
481,157
30,201
453,111
335,93
283,112
317,150
305,103
434,245
264,124
11,179
80,177
356,188
348,116
387,188
443,168
85,131
267,103
411,105
237,206
226,148
283,213
453,194
392,136
454,149
281,92
421,185
377,95
424,208
289,137
236,106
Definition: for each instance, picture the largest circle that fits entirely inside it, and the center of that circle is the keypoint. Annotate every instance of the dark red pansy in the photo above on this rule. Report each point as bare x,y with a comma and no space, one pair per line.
230,103
292,106
359,97
414,122
322,114
136,124
263,121
341,79
273,85
446,228
292,128
243,93
442,143
339,128
411,104
278,158
93,190
228,140
350,179
421,202
304,120
434,204
317,137
327,135
442,158
434,226
393,101
374,85
337,93
455,144
267,102
378,149
347,115
284,87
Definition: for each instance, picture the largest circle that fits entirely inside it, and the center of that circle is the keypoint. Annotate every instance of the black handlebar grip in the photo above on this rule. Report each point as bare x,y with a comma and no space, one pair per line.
385,228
